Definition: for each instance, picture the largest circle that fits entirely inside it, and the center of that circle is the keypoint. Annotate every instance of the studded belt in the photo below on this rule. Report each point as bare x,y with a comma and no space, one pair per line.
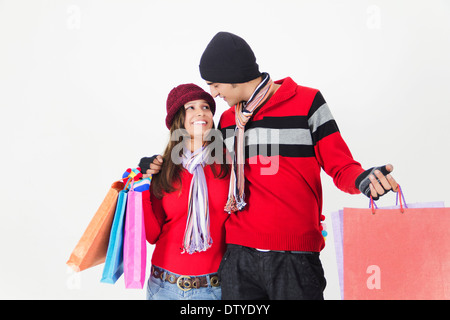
186,283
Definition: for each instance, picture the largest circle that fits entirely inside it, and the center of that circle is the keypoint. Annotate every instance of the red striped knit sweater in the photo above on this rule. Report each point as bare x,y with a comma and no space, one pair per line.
284,193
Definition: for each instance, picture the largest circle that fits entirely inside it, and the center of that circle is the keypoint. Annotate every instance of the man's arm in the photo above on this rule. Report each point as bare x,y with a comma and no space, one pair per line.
150,165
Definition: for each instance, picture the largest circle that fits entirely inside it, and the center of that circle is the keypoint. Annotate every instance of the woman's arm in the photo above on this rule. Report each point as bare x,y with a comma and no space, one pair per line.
154,216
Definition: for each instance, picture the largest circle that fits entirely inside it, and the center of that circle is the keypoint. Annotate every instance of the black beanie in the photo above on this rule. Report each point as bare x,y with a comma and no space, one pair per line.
228,59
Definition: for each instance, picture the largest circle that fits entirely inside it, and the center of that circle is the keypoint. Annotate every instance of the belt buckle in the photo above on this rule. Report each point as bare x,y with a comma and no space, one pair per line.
185,282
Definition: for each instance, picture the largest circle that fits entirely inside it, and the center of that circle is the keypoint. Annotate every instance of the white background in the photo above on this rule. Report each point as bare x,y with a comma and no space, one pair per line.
83,86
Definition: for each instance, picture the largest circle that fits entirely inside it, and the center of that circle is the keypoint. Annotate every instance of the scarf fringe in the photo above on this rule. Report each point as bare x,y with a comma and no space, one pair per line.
233,206
198,246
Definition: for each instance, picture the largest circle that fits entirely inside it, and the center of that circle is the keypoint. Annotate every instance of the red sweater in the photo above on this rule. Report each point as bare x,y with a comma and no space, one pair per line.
165,222
291,137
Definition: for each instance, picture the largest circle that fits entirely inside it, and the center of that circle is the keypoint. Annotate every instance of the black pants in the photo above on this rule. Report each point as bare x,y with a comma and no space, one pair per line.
249,274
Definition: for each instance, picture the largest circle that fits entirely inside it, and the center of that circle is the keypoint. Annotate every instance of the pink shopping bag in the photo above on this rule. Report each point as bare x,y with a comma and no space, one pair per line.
135,250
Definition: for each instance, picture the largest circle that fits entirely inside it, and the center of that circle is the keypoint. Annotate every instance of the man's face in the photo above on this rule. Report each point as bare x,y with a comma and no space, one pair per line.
230,92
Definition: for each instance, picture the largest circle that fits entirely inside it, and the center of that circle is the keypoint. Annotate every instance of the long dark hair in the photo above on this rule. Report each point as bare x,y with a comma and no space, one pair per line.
169,178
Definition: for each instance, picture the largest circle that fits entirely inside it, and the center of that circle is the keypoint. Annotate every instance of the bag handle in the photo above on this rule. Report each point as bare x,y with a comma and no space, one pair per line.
131,175
399,197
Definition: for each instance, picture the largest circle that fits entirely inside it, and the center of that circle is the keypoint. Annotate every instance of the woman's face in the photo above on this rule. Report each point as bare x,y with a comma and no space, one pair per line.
198,118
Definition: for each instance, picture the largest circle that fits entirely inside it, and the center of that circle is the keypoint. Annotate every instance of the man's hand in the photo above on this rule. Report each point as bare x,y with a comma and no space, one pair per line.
150,165
376,181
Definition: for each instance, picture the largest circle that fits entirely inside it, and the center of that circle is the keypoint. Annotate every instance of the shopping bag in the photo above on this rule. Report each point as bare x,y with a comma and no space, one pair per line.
113,267
396,253
337,218
92,246
135,250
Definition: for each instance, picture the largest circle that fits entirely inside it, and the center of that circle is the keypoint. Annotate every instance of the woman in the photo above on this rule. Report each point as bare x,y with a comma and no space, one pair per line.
184,208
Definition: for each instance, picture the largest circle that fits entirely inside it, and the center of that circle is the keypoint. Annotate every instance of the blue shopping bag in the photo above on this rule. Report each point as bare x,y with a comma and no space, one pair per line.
113,268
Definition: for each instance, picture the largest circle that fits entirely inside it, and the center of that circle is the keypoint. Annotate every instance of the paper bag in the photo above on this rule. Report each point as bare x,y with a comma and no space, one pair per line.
338,229
91,248
113,267
395,255
135,250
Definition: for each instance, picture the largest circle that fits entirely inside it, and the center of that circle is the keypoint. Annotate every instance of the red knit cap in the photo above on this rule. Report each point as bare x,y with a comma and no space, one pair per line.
182,94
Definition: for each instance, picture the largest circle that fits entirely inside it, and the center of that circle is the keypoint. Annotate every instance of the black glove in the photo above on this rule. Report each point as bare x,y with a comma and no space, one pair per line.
145,162
363,181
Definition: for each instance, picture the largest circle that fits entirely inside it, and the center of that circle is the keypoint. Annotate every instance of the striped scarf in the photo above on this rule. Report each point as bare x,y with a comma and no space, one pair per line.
197,235
244,111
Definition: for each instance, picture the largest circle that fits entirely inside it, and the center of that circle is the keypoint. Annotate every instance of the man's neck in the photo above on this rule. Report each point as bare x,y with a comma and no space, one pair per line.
253,84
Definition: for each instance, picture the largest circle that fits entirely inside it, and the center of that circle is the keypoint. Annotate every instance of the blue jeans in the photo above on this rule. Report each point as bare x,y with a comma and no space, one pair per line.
158,289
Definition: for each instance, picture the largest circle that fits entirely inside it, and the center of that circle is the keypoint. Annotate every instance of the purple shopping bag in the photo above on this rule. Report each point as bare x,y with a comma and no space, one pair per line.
134,250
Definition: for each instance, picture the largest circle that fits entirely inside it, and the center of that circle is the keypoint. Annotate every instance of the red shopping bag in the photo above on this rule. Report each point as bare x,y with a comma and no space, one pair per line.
338,229
396,253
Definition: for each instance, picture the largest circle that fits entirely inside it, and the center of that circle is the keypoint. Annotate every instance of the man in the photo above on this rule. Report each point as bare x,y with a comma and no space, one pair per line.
283,134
